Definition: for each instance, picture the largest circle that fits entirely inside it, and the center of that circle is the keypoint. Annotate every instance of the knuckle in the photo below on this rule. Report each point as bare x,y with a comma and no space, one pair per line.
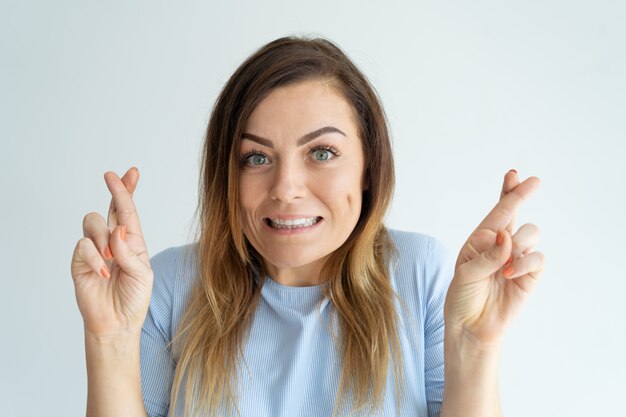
84,244
532,227
89,217
95,227
126,211
503,210
540,258
89,220
84,249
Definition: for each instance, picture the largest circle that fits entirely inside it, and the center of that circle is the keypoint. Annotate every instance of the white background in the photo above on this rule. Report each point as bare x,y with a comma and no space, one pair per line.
471,90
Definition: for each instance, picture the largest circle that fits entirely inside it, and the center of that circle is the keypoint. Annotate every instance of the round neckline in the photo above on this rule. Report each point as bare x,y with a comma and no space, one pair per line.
293,289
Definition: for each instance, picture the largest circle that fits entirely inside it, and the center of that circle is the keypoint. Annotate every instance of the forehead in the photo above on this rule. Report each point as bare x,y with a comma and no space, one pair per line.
304,105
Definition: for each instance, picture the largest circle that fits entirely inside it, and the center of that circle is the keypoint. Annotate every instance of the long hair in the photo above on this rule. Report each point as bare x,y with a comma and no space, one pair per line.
219,313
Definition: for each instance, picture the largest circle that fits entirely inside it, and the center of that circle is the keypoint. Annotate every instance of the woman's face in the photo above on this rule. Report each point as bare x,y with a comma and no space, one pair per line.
301,179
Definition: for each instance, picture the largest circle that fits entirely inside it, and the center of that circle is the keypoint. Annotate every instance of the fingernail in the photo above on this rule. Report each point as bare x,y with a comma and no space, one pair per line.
104,271
509,262
107,252
508,271
123,232
499,238
512,170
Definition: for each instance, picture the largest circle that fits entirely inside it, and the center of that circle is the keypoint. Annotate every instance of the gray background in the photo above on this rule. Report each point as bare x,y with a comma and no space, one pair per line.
471,89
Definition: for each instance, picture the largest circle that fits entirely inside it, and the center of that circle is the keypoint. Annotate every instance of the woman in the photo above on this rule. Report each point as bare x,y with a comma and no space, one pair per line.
296,299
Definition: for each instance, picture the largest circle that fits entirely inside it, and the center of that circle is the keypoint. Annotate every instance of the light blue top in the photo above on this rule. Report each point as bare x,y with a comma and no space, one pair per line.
294,368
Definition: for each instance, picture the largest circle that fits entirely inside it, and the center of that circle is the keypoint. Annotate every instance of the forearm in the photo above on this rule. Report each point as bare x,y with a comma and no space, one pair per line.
471,378
113,377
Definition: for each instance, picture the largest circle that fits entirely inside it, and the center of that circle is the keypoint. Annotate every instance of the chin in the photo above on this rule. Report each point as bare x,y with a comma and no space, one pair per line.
292,260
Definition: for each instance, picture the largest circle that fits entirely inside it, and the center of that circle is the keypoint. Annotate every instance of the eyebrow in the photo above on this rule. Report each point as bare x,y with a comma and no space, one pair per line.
303,140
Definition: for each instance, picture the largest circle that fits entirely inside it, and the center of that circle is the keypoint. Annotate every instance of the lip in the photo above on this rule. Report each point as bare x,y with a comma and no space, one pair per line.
297,230
290,216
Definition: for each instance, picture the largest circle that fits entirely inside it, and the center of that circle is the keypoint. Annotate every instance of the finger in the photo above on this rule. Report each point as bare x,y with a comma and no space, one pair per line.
503,212
526,271
130,180
525,240
95,228
127,260
511,180
125,210
86,258
527,281
489,261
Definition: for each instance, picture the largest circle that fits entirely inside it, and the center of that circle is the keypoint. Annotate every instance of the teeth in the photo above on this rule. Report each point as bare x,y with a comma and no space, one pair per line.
293,223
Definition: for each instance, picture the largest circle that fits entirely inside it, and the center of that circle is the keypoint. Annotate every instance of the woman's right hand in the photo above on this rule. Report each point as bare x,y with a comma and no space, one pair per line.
110,265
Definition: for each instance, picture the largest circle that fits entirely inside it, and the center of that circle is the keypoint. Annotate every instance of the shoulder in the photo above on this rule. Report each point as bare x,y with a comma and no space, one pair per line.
422,265
174,258
420,248
173,269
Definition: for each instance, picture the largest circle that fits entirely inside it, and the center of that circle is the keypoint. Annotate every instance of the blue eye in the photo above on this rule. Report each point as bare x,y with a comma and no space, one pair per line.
324,153
257,159
254,159
321,153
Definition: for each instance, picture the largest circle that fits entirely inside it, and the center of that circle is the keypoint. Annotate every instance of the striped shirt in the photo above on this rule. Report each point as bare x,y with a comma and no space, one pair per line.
292,364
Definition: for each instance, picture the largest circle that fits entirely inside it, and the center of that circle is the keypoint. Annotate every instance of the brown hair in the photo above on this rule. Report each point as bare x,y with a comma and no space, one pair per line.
221,307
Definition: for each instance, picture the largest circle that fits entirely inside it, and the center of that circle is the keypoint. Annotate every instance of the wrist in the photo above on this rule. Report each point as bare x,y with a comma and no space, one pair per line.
120,334
113,344
471,375
463,344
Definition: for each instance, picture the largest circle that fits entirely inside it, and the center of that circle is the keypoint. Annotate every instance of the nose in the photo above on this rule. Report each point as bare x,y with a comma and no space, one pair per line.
288,182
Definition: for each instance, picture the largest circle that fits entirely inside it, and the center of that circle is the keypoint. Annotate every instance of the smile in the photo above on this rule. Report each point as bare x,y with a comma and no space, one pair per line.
292,223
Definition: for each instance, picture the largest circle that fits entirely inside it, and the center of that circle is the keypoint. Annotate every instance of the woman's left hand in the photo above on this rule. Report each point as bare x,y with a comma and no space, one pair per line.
486,292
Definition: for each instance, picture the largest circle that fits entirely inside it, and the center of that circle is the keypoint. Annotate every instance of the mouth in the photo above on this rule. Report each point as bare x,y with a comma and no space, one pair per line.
298,223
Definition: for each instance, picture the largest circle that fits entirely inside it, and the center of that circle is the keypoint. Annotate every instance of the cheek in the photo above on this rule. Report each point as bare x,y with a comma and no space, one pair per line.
249,193
354,200
342,193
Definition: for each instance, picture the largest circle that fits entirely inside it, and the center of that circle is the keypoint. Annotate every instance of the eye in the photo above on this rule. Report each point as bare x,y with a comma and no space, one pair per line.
323,153
254,159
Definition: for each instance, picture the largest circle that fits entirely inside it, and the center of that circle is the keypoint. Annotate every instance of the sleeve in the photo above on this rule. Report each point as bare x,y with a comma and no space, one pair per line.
157,366
438,273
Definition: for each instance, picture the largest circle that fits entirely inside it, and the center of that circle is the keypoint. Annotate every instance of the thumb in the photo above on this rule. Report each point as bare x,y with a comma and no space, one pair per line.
489,261
125,257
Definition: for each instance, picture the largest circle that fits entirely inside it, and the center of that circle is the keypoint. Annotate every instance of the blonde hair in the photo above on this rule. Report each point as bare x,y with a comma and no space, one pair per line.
219,313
